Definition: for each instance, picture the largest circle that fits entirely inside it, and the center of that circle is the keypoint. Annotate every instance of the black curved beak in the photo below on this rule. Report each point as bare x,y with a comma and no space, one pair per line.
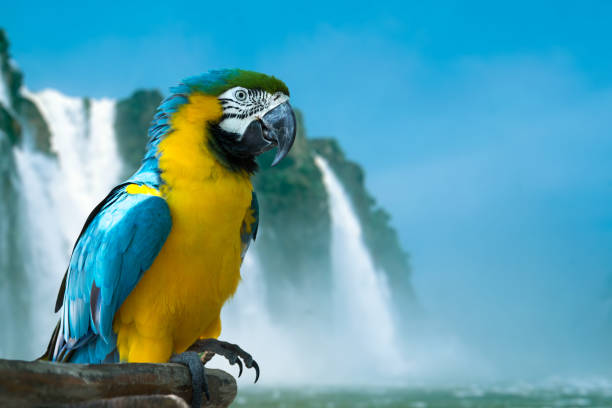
279,129
275,128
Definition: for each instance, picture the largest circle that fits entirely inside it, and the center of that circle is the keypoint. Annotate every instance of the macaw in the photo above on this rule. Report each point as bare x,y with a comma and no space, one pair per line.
159,256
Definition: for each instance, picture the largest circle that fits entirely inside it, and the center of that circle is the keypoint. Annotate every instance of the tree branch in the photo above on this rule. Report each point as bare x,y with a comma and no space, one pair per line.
25,383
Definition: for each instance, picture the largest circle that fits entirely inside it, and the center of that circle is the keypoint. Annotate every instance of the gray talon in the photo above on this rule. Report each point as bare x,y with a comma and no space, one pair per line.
256,367
239,366
232,352
199,383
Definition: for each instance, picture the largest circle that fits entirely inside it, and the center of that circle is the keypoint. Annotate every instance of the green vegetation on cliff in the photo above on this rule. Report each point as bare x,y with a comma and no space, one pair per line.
133,115
11,76
22,114
9,125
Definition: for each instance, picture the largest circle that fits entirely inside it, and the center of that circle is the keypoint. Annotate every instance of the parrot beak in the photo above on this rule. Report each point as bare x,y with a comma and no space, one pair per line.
275,128
279,128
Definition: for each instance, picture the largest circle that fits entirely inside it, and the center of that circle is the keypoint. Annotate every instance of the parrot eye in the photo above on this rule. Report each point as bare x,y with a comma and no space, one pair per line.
241,95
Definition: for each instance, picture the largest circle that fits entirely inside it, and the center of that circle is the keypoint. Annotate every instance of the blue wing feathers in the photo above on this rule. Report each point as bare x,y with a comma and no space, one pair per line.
116,246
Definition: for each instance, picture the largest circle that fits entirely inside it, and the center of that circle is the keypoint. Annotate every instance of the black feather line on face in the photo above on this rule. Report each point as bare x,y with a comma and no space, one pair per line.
221,144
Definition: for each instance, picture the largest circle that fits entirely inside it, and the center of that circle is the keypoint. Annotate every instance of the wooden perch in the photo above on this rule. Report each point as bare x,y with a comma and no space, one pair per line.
40,383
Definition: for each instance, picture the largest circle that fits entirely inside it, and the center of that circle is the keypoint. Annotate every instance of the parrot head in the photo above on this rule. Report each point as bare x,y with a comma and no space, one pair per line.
243,114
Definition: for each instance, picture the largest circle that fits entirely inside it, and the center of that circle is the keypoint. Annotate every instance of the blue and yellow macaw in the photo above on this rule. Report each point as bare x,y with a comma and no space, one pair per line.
160,255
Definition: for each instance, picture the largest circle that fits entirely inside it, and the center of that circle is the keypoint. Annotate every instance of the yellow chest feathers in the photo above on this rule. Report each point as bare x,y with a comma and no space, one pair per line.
207,201
180,297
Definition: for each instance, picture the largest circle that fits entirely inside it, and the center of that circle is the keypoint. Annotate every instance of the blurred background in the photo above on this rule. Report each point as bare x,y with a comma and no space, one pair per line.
441,233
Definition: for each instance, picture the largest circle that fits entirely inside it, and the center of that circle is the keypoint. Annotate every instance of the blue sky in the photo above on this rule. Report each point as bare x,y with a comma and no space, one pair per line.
485,129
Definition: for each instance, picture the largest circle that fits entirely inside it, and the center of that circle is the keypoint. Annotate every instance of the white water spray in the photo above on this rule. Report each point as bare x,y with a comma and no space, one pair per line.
59,192
247,322
4,94
362,297
83,139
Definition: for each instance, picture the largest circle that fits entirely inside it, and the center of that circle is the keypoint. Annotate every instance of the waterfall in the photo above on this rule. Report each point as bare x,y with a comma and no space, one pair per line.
58,194
247,321
83,139
13,302
361,294
248,304
4,95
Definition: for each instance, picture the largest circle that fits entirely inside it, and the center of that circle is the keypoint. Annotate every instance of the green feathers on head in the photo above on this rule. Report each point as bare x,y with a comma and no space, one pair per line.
218,81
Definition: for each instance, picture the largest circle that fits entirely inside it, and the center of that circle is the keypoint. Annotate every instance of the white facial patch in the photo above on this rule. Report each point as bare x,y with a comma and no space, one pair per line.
241,106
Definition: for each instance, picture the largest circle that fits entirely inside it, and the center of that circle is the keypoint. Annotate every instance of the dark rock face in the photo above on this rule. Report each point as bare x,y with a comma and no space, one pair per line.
11,79
11,76
9,125
34,124
133,115
22,115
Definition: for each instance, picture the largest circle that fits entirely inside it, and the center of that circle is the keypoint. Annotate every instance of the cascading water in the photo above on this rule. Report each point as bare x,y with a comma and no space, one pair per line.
83,139
4,95
361,294
247,321
58,193
14,301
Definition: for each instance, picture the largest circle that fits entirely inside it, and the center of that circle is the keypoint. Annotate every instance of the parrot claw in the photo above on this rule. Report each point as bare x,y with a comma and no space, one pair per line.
256,367
239,366
232,352
199,383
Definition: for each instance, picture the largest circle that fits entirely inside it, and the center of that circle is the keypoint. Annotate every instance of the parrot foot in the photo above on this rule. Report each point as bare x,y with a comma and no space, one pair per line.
232,352
199,383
